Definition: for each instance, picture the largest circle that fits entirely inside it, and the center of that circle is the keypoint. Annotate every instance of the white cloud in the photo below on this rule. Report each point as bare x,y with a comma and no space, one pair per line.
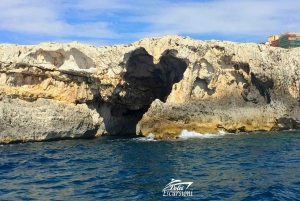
252,17
47,18
99,4
129,20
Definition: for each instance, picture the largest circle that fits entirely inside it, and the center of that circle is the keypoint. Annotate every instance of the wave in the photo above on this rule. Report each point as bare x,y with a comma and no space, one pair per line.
291,129
185,134
150,137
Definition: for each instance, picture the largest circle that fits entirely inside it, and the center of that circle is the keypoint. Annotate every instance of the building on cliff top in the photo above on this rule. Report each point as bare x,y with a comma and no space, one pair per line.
285,40
273,40
289,40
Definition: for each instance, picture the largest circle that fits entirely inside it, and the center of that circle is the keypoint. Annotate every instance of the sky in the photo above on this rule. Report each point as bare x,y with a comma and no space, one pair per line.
108,22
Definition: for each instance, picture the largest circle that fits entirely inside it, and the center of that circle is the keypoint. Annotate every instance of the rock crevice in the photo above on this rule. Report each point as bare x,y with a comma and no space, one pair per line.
160,86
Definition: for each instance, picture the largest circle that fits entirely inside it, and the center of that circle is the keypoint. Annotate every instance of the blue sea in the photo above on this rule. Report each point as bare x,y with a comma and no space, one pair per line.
245,166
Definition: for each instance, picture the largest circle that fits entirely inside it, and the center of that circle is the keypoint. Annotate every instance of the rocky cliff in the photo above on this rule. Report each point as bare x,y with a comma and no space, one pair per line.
160,86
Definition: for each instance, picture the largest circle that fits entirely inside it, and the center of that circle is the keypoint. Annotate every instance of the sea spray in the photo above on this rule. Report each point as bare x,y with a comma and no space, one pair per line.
150,137
185,134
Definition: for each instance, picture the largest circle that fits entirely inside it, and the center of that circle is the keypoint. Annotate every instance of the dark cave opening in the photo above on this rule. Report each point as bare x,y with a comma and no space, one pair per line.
145,81
263,86
152,81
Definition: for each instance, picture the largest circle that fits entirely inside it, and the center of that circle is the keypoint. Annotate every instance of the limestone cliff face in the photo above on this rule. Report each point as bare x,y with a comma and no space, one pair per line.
160,86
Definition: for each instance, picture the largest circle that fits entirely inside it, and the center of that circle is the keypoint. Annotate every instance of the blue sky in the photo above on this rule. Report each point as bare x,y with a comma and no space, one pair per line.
124,21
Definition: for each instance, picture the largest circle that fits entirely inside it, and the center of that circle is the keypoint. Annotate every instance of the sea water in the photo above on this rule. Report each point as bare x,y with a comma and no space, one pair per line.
245,166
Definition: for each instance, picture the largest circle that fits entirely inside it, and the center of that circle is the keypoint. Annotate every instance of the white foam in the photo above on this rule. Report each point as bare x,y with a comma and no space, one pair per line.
150,137
222,132
291,129
185,134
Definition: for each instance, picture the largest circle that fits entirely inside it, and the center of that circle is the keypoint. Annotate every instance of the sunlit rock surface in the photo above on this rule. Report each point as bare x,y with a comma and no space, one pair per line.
155,85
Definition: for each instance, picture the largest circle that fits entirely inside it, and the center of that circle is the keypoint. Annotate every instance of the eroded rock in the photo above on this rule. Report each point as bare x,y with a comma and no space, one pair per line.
160,86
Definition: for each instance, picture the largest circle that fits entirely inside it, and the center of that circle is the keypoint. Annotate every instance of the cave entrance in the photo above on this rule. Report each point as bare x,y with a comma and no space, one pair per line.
150,80
144,82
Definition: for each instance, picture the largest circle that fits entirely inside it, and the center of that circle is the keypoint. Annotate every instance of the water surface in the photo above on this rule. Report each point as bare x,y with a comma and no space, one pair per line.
257,166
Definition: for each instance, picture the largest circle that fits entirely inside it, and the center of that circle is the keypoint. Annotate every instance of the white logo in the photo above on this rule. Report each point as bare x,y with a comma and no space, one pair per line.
177,188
